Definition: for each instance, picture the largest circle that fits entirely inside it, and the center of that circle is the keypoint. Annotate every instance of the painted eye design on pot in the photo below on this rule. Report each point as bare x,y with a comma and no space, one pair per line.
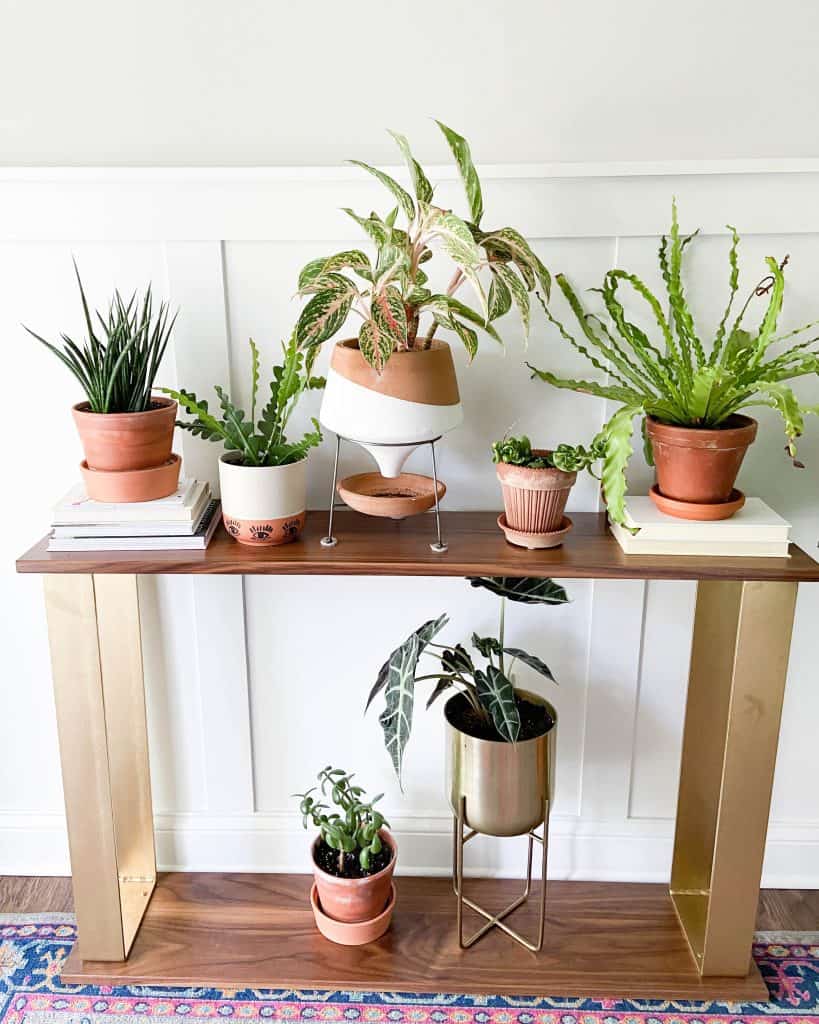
261,532
292,527
232,527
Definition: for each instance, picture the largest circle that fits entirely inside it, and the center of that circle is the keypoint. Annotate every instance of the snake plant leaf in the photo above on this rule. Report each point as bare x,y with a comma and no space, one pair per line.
497,695
375,344
469,176
531,660
423,189
524,589
486,646
312,274
404,198
618,432
517,290
500,298
324,314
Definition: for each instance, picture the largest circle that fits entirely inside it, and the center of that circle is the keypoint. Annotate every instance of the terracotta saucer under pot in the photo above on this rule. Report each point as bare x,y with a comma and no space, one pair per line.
535,541
397,497
357,933
702,512
127,485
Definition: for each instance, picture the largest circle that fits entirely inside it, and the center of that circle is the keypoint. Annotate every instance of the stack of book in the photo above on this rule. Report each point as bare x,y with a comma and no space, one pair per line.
755,530
185,520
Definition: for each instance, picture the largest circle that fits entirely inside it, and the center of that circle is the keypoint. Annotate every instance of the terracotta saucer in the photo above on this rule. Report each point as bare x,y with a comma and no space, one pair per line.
391,497
357,934
131,485
703,512
533,541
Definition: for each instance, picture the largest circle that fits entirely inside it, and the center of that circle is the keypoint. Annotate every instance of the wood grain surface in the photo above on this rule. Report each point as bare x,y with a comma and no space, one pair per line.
382,547
257,930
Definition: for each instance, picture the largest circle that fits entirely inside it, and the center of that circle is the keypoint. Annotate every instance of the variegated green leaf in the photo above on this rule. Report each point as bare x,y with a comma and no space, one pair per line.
524,589
378,231
423,189
510,244
403,197
315,270
497,695
449,305
376,345
396,718
389,314
469,176
466,334
323,315
531,660
500,298
517,290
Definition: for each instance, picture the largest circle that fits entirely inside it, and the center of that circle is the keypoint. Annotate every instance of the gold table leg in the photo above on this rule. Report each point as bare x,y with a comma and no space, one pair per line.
739,661
96,659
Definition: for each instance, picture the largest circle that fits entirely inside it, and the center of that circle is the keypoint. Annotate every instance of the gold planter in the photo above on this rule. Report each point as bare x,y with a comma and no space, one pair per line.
505,787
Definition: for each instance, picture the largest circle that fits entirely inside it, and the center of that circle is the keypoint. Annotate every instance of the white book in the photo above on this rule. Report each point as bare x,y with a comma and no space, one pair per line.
196,542
754,523
150,528
184,505
636,545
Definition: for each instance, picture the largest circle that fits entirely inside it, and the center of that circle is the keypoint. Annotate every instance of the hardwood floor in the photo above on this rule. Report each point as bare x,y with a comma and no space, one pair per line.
779,909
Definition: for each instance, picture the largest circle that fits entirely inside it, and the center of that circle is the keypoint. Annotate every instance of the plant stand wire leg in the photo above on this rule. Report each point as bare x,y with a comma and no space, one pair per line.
439,546
497,920
330,541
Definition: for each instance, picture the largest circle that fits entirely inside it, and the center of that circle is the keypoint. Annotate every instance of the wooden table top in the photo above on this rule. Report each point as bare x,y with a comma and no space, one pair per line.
381,547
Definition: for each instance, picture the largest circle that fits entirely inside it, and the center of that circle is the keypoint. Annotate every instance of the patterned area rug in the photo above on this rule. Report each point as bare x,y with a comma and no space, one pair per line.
34,947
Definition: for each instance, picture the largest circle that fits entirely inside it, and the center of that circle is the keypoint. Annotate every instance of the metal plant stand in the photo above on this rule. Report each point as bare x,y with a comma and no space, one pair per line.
459,841
331,540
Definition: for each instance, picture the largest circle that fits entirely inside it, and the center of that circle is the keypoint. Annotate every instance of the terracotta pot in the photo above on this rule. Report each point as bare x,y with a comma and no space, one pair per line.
358,933
126,440
353,900
392,497
414,399
696,464
506,786
534,499
131,485
263,505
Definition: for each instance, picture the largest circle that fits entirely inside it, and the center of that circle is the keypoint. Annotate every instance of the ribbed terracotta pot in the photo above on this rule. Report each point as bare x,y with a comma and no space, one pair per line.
414,399
126,440
700,465
534,500
353,900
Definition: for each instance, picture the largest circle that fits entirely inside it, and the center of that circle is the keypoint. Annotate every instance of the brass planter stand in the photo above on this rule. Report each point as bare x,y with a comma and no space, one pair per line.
459,841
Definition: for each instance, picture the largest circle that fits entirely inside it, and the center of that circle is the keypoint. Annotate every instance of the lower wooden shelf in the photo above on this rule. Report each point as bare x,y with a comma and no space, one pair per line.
256,931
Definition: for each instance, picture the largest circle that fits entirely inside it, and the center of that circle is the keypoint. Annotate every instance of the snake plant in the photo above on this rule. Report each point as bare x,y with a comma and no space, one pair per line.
669,372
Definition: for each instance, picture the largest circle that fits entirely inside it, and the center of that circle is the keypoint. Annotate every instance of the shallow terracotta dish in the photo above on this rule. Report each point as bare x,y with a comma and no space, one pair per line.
356,934
703,512
392,497
128,485
535,541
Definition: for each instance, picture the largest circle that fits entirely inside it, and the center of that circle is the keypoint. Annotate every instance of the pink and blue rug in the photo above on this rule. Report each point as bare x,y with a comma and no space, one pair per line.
33,949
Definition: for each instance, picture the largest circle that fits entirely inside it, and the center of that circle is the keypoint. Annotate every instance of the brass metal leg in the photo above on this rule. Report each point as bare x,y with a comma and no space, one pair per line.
96,658
459,841
739,661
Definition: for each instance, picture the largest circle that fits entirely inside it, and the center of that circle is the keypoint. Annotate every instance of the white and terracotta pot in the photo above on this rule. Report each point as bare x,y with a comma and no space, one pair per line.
534,500
263,504
414,399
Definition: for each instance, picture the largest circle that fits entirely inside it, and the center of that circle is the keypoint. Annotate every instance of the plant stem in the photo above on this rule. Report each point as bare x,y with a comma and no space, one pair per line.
454,285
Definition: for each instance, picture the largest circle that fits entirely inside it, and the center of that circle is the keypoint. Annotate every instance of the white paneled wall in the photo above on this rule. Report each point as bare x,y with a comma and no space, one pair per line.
254,684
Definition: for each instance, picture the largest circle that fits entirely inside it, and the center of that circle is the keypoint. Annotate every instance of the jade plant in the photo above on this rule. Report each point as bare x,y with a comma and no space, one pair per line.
354,827
263,442
672,372
517,451
391,294
486,679
117,363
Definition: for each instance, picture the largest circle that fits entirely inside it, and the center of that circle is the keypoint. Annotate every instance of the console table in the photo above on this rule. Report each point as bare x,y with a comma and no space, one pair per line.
240,931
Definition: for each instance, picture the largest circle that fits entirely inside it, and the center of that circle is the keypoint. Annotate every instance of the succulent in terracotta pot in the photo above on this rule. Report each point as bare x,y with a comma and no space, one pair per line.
690,393
353,860
126,431
262,475
394,383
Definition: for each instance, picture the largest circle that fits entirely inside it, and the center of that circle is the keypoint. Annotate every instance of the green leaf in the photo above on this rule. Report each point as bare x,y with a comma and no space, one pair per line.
254,377
376,345
315,270
448,304
517,290
469,176
507,243
704,381
500,298
323,315
486,646
403,197
618,432
425,633
782,398
524,589
390,316
396,718
497,695
456,659
613,392
378,231
531,660
423,189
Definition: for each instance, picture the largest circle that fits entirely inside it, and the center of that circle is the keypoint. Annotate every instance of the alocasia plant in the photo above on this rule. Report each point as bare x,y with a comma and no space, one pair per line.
390,294
675,378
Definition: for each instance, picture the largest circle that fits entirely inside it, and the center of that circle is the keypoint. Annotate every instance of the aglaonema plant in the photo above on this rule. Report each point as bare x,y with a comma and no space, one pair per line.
673,372
488,687
390,294
263,442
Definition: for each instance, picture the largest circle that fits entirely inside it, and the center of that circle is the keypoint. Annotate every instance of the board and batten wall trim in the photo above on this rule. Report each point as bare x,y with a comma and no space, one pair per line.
194,216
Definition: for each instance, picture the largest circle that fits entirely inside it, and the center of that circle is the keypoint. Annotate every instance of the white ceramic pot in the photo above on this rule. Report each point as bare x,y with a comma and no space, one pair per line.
414,399
263,504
